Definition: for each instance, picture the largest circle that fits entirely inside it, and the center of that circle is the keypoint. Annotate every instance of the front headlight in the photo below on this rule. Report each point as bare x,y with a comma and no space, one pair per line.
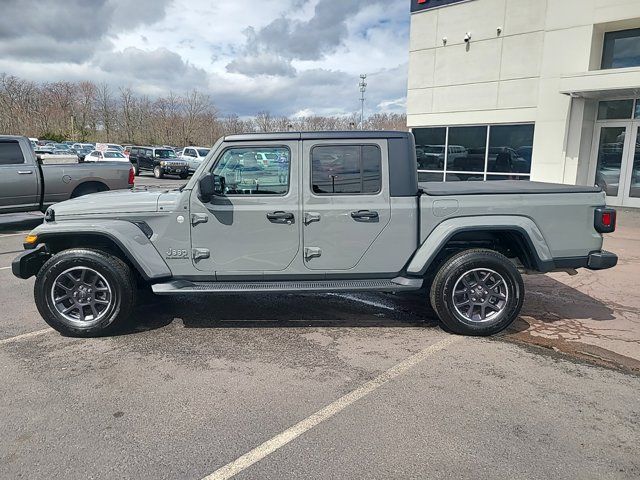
163,163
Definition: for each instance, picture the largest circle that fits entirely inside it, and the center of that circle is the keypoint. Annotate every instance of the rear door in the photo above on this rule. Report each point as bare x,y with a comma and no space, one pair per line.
19,185
346,202
254,228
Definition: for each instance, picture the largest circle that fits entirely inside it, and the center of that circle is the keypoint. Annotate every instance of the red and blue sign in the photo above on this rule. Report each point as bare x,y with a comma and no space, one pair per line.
418,5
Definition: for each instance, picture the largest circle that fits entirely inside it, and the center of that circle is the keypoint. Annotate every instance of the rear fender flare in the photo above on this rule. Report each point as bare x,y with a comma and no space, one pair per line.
129,238
440,235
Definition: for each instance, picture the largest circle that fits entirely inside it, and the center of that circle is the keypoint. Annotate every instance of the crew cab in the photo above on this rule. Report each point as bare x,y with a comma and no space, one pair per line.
337,211
26,184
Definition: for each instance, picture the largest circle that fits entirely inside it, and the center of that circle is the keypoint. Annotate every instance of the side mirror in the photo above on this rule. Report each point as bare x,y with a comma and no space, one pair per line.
210,186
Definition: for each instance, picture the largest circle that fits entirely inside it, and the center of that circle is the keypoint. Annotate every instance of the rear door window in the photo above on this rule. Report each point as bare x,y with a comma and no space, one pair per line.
346,169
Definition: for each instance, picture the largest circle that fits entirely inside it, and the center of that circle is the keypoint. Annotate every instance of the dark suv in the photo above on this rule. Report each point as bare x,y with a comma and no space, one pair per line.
161,161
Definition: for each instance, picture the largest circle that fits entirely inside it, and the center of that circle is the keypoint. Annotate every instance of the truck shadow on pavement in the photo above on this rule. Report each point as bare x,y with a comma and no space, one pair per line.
547,301
279,311
19,222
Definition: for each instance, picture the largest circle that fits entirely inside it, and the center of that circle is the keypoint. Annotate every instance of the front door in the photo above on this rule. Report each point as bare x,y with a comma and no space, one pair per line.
346,202
254,227
617,162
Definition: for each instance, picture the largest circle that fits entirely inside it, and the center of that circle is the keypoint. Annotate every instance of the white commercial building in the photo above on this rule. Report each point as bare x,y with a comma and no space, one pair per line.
546,90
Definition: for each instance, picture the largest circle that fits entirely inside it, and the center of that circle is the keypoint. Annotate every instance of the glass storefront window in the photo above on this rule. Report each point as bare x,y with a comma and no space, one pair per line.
455,154
615,110
621,49
430,144
467,149
510,149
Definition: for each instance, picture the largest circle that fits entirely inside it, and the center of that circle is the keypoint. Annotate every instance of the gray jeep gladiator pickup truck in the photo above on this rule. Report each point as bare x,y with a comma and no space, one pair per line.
328,211
28,185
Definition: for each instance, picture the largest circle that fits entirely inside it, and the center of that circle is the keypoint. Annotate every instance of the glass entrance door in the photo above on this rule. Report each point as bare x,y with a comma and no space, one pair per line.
631,196
617,162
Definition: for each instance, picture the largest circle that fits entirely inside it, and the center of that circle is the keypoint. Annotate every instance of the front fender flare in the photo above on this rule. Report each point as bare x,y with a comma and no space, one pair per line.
440,235
127,236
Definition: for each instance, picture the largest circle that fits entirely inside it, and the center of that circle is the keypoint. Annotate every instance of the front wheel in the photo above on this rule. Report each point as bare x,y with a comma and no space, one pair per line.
157,172
477,292
183,176
84,293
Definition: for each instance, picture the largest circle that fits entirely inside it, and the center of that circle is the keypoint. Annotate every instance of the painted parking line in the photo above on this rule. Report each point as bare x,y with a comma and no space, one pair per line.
4,341
280,440
5,268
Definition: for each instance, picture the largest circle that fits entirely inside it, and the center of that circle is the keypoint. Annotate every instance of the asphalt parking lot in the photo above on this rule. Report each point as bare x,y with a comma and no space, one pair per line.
298,386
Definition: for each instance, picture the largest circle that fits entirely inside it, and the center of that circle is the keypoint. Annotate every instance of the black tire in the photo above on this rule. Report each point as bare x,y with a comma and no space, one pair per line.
116,275
157,172
87,189
500,312
183,176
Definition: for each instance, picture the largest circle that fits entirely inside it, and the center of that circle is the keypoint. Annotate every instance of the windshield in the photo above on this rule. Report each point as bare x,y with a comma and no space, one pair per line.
113,155
165,153
111,146
203,152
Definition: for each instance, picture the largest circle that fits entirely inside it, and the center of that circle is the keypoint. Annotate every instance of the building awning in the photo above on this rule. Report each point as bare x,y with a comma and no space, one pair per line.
603,84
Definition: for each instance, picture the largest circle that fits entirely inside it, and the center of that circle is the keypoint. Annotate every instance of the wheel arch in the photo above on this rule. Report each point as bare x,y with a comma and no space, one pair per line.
89,185
123,239
515,237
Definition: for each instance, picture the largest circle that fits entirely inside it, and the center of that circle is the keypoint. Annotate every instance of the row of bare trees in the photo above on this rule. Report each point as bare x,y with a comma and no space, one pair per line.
86,111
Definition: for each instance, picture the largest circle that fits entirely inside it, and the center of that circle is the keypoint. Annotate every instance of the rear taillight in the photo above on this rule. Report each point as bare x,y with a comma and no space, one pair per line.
132,176
604,220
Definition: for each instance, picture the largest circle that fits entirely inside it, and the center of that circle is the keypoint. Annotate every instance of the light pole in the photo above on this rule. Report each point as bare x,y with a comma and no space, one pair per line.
363,89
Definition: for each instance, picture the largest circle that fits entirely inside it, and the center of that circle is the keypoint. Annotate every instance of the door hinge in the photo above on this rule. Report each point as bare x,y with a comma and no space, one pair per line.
197,218
312,252
200,253
310,217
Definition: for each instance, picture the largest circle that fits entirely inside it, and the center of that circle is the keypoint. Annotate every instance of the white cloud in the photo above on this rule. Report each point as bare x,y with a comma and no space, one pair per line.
286,56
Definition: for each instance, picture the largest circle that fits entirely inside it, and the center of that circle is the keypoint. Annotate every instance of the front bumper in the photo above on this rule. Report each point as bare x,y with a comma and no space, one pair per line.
29,262
602,260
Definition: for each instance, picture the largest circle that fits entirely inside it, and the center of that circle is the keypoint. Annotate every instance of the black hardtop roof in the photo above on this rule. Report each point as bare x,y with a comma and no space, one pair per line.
332,135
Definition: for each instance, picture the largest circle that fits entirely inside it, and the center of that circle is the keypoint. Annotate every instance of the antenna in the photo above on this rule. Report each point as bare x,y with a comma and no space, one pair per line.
363,89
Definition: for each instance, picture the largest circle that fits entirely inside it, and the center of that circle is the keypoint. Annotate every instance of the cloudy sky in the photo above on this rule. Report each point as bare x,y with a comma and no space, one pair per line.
291,57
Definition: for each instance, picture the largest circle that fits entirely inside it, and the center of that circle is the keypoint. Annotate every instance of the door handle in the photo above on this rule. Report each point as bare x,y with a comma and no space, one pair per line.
364,215
25,172
280,217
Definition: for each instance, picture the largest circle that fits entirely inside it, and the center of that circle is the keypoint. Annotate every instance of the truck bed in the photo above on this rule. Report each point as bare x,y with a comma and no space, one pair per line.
503,187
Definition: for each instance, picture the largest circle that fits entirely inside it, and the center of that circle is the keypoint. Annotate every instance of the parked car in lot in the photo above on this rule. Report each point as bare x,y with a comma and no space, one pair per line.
160,161
106,156
27,185
83,152
194,156
348,215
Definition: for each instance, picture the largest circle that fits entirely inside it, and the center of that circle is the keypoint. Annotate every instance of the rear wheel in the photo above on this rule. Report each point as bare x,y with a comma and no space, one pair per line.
84,293
157,172
477,292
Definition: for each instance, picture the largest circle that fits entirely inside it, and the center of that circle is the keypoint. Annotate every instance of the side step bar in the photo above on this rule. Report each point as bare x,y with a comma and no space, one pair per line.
381,285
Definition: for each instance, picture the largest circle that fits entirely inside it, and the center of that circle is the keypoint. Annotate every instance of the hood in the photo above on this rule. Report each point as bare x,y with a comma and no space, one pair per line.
108,203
